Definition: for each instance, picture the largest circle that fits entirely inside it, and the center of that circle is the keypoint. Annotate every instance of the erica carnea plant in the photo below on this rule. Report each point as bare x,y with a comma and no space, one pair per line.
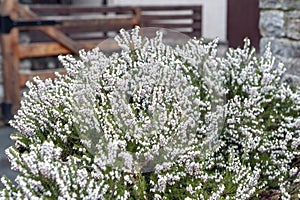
158,122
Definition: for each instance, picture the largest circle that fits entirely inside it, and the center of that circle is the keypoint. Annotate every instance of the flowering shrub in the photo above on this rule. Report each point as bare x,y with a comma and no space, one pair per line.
158,122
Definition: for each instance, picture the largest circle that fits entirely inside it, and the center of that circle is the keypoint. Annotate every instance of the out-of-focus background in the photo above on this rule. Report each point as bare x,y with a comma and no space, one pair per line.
34,32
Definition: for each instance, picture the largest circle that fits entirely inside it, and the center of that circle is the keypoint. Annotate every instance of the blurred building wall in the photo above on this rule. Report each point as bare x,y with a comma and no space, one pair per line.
280,26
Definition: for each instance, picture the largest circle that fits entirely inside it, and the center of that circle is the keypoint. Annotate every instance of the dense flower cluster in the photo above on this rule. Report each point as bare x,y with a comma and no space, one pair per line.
158,122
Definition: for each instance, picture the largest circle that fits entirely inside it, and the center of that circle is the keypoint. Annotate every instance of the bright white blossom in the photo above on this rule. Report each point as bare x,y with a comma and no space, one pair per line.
158,122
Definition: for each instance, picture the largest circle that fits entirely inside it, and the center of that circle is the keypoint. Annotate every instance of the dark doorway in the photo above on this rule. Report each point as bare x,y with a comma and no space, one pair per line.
242,21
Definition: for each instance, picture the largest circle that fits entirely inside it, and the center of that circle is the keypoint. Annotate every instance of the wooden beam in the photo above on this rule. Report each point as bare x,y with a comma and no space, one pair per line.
71,9
105,22
62,38
53,49
170,17
43,74
93,25
41,50
75,9
169,8
6,7
171,25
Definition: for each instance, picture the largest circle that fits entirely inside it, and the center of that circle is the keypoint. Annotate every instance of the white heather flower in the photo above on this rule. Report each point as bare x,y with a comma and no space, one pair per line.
152,120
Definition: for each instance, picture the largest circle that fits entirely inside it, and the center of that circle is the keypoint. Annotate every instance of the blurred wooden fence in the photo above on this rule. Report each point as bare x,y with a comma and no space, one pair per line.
64,29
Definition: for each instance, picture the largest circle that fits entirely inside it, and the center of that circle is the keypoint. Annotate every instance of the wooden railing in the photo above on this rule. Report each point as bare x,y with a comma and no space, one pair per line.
76,28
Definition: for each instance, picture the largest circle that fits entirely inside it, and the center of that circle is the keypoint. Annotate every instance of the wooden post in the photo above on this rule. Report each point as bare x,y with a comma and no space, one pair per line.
10,63
137,18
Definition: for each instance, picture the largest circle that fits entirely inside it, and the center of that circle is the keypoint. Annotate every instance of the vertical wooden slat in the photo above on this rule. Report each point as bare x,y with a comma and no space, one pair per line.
199,21
10,63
